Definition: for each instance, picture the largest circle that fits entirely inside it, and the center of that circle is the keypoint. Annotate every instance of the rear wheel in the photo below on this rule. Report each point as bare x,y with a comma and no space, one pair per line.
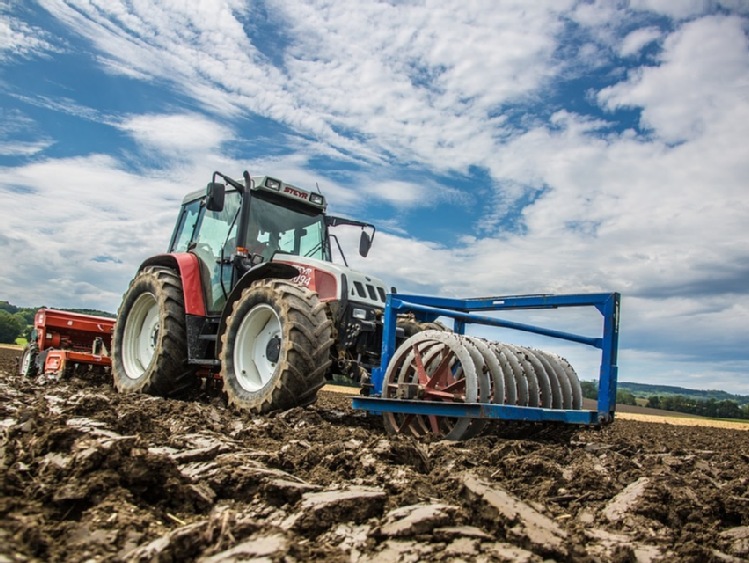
27,364
276,347
149,346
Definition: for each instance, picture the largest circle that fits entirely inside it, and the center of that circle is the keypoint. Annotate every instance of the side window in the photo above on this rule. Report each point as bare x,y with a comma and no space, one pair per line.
186,226
217,230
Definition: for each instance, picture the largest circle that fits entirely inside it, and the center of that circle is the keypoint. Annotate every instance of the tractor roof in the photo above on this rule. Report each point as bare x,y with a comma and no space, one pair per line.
268,184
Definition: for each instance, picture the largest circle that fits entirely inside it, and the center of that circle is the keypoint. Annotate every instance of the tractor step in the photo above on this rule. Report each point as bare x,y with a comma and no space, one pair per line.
209,363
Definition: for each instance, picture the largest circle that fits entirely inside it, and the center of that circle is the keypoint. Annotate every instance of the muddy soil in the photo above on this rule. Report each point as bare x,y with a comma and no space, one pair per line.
87,474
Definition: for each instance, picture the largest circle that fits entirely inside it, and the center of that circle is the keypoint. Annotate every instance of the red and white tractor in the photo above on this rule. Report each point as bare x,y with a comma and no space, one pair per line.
248,294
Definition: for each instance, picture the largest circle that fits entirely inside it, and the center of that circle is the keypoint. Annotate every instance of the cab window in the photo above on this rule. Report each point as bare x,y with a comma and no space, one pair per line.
185,227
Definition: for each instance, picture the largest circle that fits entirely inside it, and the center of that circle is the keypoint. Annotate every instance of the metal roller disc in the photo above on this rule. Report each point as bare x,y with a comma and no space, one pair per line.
491,363
430,351
449,374
397,374
557,399
534,393
577,390
483,380
545,383
510,387
558,370
512,367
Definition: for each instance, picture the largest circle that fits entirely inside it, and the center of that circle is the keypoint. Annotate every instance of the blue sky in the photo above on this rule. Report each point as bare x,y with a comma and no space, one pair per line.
501,147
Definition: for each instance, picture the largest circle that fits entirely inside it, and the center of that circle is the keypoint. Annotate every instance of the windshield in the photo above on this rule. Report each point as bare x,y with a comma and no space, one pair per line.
275,228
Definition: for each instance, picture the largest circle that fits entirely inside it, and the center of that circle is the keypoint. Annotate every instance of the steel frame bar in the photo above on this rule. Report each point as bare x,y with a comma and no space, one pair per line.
476,410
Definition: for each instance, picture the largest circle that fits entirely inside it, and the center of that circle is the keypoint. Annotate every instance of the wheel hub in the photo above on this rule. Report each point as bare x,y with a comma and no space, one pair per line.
141,334
257,348
273,349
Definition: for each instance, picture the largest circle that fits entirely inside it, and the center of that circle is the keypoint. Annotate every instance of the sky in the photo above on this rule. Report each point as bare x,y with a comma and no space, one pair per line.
503,147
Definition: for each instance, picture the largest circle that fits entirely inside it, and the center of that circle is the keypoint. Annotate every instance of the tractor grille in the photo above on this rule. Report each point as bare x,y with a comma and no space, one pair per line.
369,291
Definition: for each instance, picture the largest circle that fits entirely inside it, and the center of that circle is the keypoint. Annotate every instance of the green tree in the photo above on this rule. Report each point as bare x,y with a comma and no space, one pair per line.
28,315
624,397
654,402
11,327
590,389
727,409
6,306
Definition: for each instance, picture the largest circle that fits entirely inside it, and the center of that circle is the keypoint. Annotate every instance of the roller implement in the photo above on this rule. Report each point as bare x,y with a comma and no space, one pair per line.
450,385
248,300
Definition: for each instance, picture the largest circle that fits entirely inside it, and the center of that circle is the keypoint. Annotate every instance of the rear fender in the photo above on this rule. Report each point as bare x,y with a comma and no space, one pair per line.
188,266
266,270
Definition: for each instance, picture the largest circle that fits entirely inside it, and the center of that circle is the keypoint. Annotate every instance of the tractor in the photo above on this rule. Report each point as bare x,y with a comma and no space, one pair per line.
248,295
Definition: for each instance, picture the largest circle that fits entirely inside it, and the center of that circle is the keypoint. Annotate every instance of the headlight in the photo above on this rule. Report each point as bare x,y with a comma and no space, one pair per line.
273,184
360,314
317,199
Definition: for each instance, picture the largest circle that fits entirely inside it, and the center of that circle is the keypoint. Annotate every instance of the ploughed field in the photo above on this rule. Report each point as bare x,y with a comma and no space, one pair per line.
87,474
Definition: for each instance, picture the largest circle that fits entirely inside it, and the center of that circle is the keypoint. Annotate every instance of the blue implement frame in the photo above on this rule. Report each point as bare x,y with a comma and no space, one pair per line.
463,311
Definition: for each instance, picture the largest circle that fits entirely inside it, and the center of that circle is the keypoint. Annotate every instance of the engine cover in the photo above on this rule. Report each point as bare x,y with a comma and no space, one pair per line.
326,279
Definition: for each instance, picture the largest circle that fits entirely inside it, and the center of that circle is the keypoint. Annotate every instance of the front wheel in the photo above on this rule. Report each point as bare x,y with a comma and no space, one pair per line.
276,347
149,345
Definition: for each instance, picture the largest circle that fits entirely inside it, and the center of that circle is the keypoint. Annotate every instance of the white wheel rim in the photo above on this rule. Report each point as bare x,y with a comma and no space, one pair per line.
140,336
252,366
25,362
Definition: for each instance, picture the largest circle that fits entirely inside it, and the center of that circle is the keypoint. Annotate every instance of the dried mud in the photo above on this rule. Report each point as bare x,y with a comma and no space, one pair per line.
87,474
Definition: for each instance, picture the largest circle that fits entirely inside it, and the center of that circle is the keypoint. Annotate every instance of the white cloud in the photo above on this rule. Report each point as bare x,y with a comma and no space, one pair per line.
20,135
637,39
700,82
684,9
177,133
21,40
23,148
409,79
63,104
403,193
61,214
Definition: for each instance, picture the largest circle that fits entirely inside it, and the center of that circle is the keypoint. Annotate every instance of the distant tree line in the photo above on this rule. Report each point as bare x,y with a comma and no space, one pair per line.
647,390
712,408
709,407
623,396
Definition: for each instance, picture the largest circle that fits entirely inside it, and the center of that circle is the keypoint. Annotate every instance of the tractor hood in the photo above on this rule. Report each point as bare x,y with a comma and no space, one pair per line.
360,288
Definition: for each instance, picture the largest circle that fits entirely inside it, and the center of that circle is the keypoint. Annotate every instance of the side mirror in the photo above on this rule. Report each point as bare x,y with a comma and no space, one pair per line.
365,243
214,196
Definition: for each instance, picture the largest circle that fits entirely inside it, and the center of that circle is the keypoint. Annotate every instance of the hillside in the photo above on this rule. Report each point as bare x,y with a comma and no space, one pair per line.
646,390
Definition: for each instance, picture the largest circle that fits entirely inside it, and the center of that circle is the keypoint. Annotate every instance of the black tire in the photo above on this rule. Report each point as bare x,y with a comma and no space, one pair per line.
411,326
149,345
27,362
276,347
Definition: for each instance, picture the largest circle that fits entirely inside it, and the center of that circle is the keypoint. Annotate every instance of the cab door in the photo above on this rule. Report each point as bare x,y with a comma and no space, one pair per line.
210,235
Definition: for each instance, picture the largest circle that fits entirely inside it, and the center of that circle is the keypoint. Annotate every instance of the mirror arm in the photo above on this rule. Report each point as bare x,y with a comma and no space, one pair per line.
234,183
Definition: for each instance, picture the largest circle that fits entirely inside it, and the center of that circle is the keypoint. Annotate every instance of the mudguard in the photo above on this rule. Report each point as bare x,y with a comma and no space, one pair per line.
188,266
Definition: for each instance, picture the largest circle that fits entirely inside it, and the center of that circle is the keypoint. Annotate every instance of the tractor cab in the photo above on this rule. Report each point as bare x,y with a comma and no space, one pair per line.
231,228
